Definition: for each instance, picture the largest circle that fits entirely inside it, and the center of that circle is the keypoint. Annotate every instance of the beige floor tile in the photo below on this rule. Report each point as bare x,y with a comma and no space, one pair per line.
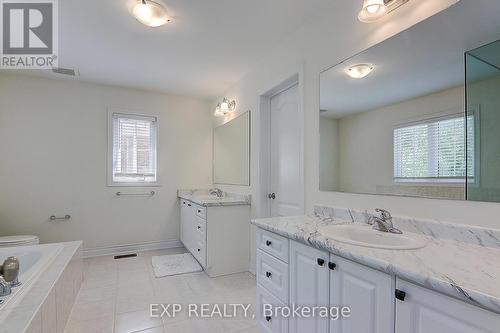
101,325
135,321
87,295
158,329
126,288
132,304
92,310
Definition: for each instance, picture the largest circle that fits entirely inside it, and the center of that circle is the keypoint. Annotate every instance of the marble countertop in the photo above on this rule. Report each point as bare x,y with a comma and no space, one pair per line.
465,271
202,198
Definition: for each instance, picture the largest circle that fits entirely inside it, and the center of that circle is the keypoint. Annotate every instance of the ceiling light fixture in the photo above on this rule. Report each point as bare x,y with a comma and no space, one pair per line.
372,11
360,71
224,107
150,13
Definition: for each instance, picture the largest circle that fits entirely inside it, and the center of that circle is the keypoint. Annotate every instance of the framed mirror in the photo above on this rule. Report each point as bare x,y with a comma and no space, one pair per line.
394,118
231,152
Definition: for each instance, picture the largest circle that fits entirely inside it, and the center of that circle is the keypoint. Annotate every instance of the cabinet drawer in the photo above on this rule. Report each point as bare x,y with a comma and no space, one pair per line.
273,275
269,324
273,244
201,212
200,252
200,228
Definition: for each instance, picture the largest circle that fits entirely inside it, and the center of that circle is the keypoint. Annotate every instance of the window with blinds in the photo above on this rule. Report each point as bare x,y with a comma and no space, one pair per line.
433,150
134,148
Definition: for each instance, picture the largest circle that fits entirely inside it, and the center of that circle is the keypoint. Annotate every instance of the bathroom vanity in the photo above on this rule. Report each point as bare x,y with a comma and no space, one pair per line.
216,230
441,286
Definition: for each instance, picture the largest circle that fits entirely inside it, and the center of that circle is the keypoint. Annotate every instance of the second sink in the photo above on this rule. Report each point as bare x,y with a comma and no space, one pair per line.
364,235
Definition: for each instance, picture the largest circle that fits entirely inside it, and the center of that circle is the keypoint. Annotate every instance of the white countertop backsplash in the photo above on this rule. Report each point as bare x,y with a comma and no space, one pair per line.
455,261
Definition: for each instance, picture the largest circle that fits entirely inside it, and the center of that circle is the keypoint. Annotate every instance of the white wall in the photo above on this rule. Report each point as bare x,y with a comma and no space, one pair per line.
329,170
53,145
317,46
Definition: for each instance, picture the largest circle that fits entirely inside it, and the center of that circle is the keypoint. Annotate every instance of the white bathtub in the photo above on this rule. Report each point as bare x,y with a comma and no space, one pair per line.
33,260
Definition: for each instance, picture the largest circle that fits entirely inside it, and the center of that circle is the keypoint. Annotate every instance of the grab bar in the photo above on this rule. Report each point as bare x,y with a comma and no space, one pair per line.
65,217
121,194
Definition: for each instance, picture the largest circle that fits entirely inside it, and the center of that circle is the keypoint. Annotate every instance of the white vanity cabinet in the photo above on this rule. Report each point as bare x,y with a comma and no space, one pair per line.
217,236
368,293
319,278
378,302
421,310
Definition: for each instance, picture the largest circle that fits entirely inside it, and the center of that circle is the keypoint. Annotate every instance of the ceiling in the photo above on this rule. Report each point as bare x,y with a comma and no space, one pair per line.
207,48
427,58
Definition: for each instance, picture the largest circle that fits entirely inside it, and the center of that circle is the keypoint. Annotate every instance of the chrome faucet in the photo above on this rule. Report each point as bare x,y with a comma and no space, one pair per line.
383,222
217,192
5,288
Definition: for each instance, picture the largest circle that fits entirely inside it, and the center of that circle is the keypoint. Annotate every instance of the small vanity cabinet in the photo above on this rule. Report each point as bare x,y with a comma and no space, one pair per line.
289,272
217,236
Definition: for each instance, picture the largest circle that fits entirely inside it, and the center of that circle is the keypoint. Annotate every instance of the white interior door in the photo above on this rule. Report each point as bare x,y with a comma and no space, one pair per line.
286,162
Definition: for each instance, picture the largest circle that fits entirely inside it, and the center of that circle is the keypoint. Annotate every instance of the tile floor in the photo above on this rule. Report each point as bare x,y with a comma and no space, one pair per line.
116,295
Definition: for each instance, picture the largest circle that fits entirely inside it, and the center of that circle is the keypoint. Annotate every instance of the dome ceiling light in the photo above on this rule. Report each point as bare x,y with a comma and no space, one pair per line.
150,13
360,71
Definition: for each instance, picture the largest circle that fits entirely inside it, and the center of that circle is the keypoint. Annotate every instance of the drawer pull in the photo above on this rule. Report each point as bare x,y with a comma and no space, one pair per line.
268,274
321,262
189,205
332,265
199,211
268,319
199,227
199,250
268,243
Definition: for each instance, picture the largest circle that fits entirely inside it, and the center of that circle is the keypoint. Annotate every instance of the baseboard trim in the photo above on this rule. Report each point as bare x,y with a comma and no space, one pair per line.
129,248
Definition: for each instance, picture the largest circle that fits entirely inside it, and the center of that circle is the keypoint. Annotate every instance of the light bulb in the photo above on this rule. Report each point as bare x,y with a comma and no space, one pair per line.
373,9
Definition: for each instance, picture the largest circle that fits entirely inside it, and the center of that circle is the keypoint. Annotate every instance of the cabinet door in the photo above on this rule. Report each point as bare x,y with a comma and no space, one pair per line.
367,292
308,286
426,311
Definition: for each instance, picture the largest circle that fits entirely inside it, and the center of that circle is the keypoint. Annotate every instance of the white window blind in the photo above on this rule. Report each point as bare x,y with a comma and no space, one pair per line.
134,148
433,150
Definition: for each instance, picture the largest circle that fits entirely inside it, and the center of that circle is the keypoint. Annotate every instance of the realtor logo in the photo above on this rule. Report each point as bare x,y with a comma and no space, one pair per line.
29,34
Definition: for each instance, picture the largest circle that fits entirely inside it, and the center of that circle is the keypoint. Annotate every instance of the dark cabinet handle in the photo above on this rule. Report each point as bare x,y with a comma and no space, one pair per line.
199,250
189,205
199,211
199,227
400,295
268,243
268,274
332,265
321,262
268,319
271,196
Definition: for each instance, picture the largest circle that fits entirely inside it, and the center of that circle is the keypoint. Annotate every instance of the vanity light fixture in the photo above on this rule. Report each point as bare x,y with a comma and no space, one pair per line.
224,107
373,10
150,13
360,71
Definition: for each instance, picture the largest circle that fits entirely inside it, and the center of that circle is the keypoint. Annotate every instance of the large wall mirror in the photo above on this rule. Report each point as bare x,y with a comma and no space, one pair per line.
394,119
231,149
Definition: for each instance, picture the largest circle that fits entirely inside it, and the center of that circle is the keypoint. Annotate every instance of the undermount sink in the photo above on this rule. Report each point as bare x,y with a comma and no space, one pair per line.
364,235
